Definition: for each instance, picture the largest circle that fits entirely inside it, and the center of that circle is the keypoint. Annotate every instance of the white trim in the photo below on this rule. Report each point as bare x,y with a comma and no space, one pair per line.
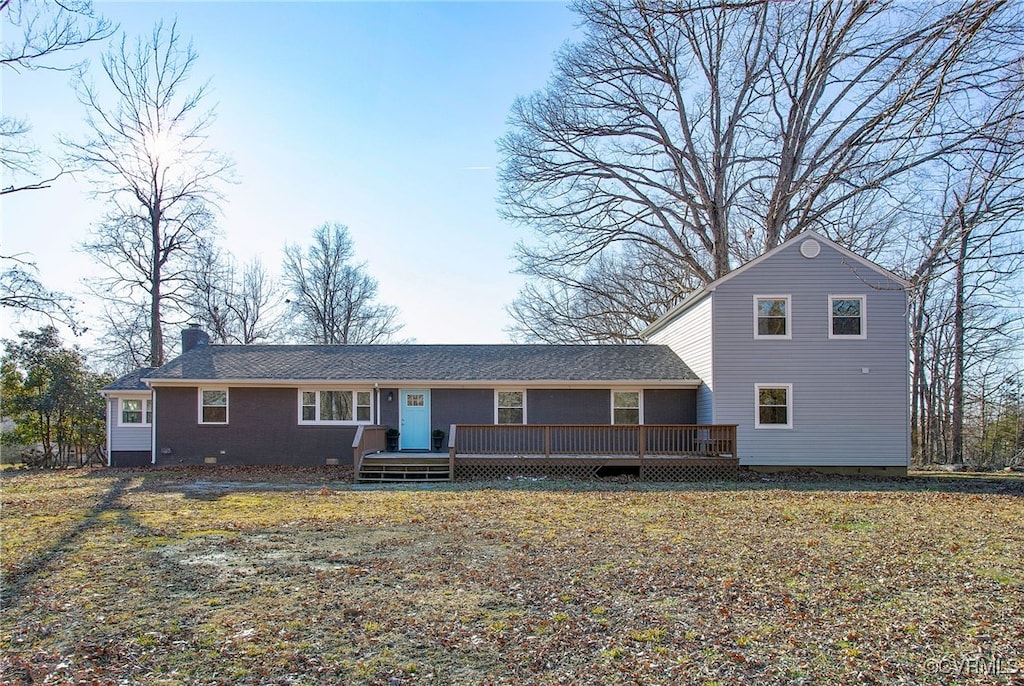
789,318
863,317
510,389
227,405
334,422
757,406
146,401
640,404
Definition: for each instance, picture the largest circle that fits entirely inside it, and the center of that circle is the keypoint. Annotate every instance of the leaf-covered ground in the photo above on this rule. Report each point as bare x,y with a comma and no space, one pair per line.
296,577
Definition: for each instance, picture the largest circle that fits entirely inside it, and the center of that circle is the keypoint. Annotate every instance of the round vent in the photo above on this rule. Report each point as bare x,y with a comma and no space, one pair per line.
810,248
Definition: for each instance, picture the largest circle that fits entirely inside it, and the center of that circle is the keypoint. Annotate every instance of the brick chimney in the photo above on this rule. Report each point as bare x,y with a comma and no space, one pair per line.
193,337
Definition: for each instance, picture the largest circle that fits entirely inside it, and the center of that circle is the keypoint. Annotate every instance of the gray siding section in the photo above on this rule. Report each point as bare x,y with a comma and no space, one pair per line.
129,438
460,406
842,414
263,429
569,406
690,337
670,406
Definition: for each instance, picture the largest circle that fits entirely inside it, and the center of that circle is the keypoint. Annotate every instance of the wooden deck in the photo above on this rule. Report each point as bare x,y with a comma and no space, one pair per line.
646,452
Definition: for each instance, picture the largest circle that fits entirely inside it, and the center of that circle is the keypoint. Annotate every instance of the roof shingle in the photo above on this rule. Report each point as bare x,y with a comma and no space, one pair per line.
449,363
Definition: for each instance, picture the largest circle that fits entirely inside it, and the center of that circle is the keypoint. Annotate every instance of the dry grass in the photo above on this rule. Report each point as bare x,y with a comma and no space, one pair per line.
289,577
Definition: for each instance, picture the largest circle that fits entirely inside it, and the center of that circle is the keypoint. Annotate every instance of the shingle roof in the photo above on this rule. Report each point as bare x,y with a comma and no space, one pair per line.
428,363
131,381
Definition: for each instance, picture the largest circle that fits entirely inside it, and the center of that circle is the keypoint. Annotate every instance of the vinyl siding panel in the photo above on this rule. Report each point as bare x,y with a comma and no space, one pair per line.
690,336
850,397
127,438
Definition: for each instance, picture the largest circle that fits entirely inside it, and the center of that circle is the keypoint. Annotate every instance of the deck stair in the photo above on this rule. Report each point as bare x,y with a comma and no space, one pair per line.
404,467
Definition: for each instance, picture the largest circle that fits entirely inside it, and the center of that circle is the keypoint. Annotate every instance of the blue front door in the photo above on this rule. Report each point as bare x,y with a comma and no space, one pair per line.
415,420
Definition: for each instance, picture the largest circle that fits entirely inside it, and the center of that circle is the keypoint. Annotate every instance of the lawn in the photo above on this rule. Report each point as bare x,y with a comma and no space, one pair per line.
255,576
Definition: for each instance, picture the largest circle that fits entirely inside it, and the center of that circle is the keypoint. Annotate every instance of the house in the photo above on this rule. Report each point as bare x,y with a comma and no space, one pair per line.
797,359
805,349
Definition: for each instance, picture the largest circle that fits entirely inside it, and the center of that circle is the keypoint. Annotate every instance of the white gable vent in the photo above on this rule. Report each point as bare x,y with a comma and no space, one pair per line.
810,248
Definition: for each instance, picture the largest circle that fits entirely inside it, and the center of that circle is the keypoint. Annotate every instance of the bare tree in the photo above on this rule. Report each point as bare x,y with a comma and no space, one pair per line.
333,300
710,132
21,291
618,295
148,156
966,278
39,34
236,306
122,345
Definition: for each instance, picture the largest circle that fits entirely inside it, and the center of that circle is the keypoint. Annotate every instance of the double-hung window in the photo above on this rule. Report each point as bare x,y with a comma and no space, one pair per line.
136,412
213,406
334,406
773,406
510,407
772,317
847,316
626,407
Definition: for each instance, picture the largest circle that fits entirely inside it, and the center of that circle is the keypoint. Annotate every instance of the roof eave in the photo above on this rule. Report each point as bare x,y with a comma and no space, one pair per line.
429,383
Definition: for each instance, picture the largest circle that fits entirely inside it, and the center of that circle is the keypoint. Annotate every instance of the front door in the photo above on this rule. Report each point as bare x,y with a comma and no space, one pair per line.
415,420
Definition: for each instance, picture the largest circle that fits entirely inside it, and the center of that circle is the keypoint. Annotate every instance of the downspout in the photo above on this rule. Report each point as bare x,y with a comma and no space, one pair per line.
110,418
152,428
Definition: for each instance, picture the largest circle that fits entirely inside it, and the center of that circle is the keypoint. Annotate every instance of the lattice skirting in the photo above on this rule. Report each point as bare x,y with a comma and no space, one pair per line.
491,469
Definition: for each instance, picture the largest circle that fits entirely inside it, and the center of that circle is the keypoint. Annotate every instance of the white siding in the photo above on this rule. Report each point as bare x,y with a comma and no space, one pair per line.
127,437
689,336
850,397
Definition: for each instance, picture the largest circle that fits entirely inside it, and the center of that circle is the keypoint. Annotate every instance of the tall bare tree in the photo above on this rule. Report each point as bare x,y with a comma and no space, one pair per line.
39,34
710,132
235,305
148,156
333,300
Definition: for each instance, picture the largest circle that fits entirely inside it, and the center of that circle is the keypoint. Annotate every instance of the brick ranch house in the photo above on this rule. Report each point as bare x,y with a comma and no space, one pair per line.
798,359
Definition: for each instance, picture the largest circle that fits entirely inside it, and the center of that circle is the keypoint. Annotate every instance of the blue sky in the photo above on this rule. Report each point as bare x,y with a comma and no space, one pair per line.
380,116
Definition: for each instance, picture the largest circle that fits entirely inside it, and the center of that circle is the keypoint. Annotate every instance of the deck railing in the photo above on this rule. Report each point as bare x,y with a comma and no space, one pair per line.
368,439
703,440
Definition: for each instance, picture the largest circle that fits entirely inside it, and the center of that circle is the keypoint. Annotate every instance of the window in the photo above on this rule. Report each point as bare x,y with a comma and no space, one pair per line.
138,411
626,407
213,406
846,315
510,407
774,406
334,406
771,316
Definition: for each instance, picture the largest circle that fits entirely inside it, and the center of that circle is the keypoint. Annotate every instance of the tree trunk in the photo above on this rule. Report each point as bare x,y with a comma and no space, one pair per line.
156,331
957,392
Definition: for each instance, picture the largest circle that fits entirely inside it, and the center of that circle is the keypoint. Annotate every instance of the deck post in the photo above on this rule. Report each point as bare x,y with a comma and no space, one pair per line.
451,452
547,441
641,440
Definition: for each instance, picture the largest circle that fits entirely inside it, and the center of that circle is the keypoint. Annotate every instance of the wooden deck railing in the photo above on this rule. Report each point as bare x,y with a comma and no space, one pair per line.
704,440
368,439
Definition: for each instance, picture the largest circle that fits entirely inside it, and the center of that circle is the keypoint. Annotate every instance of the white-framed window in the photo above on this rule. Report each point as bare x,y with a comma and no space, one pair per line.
510,406
135,412
772,317
847,316
627,407
335,406
213,406
773,406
